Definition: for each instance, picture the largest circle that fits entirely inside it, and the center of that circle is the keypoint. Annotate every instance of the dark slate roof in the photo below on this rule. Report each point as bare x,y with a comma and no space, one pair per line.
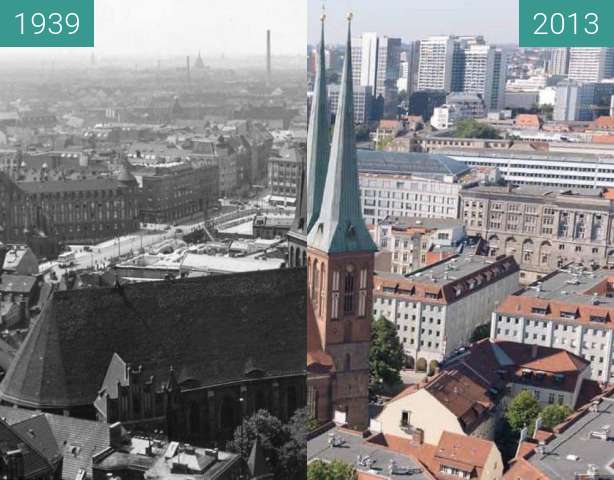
17,283
409,163
57,186
211,330
68,432
35,462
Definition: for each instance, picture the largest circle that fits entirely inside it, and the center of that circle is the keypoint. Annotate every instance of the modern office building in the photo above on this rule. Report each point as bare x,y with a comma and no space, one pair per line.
376,64
484,74
436,63
363,102
559,61
554,170
591,64
409,185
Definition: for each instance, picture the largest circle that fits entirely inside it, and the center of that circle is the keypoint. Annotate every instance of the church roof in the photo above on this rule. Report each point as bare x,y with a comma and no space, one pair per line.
318,140
340,226
212,330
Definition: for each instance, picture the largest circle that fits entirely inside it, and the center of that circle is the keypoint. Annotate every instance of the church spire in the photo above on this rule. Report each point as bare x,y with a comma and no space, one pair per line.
318,148
340,226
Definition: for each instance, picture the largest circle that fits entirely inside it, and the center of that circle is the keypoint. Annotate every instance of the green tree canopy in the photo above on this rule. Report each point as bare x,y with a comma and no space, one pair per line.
552,415
335,470
522,411
471,128
385,354
284,446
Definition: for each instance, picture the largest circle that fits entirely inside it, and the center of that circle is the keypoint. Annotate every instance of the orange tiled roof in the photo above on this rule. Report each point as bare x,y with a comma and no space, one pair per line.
521,305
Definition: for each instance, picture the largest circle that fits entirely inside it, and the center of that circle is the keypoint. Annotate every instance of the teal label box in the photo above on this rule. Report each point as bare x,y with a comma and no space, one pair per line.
566,23
46,23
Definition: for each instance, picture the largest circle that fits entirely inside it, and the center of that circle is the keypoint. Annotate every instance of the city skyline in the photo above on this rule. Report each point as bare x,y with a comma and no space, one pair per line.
131,28
417,21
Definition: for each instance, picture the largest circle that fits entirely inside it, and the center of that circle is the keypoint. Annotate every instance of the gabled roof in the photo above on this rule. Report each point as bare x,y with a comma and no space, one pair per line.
466,452
210,329
76,440
34,461
340,227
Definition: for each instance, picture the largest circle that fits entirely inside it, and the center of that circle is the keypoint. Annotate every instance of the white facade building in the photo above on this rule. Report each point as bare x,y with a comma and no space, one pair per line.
572,309
435,64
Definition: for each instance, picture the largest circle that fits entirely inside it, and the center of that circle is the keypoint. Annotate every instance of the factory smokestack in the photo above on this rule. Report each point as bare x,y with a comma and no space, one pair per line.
187,64
268,56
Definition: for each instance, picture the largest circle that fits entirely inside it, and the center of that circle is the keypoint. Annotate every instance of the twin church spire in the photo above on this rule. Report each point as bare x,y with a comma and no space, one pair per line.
335,223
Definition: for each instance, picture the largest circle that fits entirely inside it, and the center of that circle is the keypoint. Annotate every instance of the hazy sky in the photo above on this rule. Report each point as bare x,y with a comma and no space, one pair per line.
497,20
171,27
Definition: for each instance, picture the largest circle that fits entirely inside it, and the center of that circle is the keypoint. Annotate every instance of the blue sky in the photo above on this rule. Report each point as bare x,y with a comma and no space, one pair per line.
497,20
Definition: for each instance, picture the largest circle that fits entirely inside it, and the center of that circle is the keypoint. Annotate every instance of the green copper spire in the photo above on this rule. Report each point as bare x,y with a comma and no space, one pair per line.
340,226
318,148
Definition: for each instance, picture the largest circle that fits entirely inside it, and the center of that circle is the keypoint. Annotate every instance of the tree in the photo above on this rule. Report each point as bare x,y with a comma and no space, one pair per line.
552,415
284,446
522,411
335,470
480,332
471,128
385,355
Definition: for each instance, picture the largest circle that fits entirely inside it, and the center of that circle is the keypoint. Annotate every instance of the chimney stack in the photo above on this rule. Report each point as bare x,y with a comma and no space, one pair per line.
268,56
187,59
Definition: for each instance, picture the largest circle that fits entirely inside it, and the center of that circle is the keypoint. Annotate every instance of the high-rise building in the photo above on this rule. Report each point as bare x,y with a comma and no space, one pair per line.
559,61
484,74
375,64
591,64
340,256
435,64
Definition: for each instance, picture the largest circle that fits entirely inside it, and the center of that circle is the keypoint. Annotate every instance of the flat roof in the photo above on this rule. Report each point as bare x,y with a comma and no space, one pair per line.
353,446
576,440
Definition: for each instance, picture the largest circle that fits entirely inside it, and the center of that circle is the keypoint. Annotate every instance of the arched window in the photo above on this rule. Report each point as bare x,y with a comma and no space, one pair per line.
348,297
347,364
315,284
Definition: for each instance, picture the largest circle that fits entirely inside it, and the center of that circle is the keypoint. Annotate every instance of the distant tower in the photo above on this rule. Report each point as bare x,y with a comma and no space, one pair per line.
340,262
199,64
268,56
187,64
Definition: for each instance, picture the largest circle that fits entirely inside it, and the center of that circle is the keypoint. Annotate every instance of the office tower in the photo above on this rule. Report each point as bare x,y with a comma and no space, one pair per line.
375,63
484,74
591,64
559,61
435,64
408,67
387,74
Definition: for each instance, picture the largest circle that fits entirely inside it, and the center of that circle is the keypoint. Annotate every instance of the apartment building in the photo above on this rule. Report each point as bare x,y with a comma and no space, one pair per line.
571,309
542,228
436,309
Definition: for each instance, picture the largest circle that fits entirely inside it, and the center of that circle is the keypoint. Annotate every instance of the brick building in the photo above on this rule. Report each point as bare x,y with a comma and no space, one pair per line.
191,356
172,191
340,269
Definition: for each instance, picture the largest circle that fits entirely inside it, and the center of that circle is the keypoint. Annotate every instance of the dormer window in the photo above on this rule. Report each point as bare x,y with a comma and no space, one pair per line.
572,315
599,318
539,310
